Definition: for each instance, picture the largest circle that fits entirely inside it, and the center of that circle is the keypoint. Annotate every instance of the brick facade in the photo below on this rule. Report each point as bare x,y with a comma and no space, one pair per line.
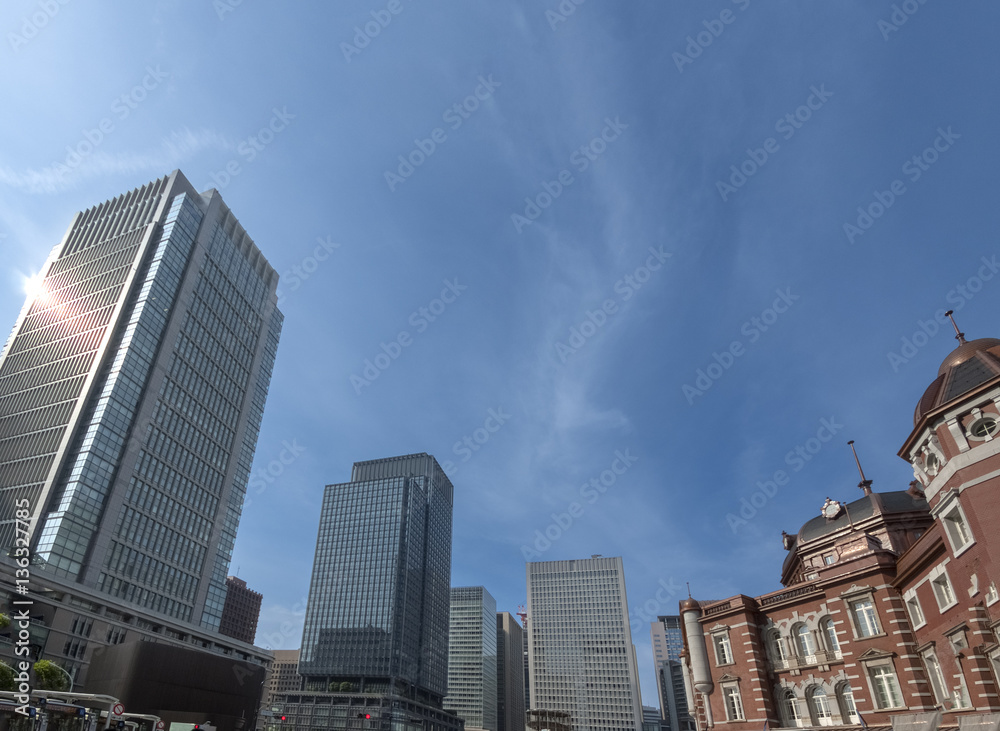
889,604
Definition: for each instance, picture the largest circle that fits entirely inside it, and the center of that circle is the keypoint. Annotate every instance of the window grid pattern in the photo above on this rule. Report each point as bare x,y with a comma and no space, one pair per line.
472,657
68,529
580,642
379,597
48,356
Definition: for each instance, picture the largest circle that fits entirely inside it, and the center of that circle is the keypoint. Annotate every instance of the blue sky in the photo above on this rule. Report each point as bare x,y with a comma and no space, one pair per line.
624,195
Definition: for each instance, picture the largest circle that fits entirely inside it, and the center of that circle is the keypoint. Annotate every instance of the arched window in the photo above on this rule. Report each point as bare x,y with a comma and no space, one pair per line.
792,710
819,707
845,699
830,635
776,647
804,644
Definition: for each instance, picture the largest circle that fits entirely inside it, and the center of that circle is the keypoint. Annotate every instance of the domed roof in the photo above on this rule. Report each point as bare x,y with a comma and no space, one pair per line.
885,503
969,365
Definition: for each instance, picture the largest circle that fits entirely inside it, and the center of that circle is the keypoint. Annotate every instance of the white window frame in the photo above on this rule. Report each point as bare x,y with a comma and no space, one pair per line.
820,713
935,674
845,702
960,693
731,692
992,594
800,632
956,527
828,629
913,609
776,648
874,671
792,710
721,641
852,603
944,590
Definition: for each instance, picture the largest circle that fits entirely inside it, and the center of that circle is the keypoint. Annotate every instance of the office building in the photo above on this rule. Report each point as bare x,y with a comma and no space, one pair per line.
241,611
667,636
283,678
131,393
581,658
889,611
375,641
510,673
472,657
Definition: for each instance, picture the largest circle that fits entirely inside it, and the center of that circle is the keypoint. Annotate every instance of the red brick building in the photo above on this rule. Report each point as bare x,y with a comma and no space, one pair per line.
890,603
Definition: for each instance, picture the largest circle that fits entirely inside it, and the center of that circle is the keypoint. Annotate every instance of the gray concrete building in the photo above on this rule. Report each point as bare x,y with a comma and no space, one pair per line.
472,657
582,660
131,393
510,673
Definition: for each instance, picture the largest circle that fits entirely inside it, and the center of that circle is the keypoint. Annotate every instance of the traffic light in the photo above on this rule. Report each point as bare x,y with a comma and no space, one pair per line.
284,718
364,715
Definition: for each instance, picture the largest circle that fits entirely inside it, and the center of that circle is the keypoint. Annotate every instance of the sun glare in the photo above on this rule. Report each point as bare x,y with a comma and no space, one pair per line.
32,286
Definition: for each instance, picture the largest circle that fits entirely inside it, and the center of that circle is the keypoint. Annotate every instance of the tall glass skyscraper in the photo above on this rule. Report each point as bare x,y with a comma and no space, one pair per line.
131,393
667,635
472,657
581,655
377,616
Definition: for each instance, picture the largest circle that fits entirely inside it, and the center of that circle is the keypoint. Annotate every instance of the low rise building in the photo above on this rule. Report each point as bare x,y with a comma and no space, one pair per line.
889,609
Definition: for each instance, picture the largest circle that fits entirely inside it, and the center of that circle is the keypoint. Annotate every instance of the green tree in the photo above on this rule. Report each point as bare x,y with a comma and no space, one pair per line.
4,621
50,676
7,678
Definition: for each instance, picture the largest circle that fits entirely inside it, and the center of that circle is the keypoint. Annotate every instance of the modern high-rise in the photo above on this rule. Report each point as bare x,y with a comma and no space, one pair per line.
241,611
472,657
582,661
667,635
376,625
131,393
510,673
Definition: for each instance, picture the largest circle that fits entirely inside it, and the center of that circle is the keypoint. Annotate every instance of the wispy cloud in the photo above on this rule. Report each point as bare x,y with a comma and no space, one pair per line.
178,146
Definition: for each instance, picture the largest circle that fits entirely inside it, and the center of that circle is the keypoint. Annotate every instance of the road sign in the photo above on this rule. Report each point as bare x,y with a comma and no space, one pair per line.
159,726
117,709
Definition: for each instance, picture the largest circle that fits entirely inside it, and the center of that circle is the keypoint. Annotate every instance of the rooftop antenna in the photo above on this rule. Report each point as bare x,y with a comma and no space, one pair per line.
865,484
959,335
689,588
